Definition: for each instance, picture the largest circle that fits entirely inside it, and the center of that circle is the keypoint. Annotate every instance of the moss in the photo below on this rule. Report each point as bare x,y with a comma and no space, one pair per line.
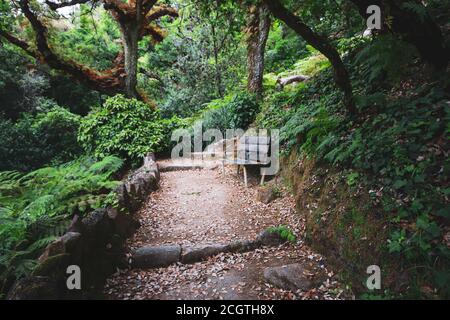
52,266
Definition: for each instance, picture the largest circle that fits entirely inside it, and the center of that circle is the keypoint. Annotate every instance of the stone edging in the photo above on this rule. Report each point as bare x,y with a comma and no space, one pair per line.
165,255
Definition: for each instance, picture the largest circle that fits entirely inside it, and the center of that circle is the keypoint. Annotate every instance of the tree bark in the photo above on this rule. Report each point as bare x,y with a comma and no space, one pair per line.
421,31
130,46
258,31
216,61
341,75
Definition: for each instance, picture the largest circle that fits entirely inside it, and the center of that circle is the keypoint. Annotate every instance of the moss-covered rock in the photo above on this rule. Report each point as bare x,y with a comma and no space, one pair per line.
52,266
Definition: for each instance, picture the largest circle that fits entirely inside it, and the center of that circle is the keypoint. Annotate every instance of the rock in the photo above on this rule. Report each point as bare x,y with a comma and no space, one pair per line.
34,288
243,246
55,248
97,226
179,167
52,266
200,252
71,240
291,277
124,224
267,238
155,257
266,194
123,198
63,244
75,225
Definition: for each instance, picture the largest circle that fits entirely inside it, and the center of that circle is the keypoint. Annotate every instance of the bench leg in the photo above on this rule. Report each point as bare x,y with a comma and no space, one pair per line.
262,178
223,168
245,176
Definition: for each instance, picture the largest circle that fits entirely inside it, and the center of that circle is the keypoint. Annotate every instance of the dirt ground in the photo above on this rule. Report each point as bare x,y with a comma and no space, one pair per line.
203,206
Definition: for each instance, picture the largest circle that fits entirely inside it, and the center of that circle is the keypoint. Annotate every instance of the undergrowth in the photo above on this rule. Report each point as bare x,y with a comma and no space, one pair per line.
284,232
397,148
36,207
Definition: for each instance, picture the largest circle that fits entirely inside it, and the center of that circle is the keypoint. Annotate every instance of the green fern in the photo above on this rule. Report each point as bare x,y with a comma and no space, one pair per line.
284,232
387,56
36,207
417,8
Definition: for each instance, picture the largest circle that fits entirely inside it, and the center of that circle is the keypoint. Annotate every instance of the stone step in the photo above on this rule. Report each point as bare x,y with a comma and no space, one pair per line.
165,255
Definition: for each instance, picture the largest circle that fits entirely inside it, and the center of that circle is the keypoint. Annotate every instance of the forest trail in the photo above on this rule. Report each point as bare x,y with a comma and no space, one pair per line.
202,206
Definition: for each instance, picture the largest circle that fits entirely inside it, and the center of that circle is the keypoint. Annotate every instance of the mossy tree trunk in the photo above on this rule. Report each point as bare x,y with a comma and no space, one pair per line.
258,28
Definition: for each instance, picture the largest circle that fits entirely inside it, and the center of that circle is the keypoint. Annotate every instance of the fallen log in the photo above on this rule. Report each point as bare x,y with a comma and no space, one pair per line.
282,82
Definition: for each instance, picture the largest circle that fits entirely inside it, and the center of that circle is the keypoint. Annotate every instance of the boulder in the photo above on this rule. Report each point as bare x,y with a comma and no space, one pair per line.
267,238
71,240
55,248
34,288
52,266
292,277
97,226
200,252
124,224
156,256
266,194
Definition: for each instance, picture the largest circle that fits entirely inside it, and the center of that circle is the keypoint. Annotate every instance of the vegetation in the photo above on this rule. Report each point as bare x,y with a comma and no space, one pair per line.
124,127
232,112
284,232
87,88
46,138
37,206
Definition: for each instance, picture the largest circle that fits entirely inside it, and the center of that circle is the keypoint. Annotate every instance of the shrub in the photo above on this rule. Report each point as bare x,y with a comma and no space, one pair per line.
57,129
127,128
231,112
284,232
32,142
397,148
275,110
20,148
169,125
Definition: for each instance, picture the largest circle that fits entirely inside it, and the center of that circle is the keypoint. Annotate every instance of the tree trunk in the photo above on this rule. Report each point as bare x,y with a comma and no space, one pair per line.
216,62
421,31
258,29
320,43
130,38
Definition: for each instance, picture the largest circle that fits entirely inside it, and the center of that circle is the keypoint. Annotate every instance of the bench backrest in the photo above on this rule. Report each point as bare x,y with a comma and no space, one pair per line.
254,149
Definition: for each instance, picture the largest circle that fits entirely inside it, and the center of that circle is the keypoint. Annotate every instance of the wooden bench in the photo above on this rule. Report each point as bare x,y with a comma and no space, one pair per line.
248,151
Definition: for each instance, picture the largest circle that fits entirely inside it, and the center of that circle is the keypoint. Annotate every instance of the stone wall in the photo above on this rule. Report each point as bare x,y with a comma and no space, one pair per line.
94,242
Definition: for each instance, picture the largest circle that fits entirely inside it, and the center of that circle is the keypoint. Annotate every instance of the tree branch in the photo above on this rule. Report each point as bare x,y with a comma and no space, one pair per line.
58,5
160,12
19,43
320,43
109,81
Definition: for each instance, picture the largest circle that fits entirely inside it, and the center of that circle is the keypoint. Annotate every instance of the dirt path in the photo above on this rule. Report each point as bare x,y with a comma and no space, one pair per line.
202,206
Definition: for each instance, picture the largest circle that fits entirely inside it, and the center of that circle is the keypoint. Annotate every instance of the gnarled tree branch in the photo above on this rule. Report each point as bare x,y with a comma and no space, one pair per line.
134,18
58,5
320,43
